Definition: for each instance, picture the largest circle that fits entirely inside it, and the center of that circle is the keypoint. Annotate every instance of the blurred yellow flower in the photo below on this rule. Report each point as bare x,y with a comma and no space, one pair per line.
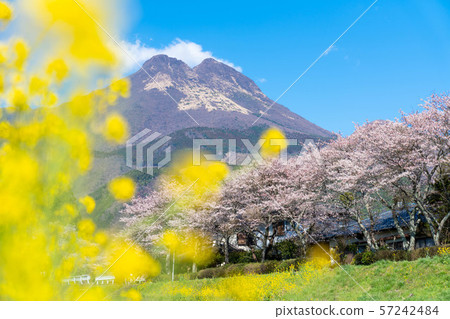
89,251
171,240
116,129
58,68
44,152
37,85
122,87
5,12
197,248
89,203
92,294
101,238
132,295
131,262
2,84
49,99
69,210
81,105
86,228
274,142
122,188
3,53
21,50
19,100
203,179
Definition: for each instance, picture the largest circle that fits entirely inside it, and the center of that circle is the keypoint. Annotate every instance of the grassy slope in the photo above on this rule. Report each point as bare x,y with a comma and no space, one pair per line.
423,279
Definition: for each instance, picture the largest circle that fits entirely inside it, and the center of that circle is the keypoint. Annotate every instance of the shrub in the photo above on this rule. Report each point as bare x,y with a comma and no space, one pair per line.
230,270
289,264
287,249
210,273
367,258
393,255
364,258
444,251
427,252
216,260
234,270
253,268
269,266
240,257
399,255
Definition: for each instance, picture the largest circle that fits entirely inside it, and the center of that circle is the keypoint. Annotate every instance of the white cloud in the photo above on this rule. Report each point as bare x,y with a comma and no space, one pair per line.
262,80
189,52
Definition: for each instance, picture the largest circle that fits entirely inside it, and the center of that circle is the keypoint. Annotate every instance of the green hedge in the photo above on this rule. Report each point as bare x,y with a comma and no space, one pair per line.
249,268
369,257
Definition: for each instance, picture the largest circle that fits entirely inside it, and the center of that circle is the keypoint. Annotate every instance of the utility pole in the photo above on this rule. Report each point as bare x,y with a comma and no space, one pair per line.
173,266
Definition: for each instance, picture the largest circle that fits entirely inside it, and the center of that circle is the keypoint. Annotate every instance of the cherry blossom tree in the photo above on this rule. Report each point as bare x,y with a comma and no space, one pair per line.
393,148
349,183
253,196
431,129
396,164
219,220
147,217
302,200
399,165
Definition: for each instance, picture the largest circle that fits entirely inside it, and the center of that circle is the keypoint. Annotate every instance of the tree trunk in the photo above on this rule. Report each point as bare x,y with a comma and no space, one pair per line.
254,255
412,230
226,251
371,242
412,241
168,263
173,266
194,267
400,231
264,244
302,237
431,222
441,228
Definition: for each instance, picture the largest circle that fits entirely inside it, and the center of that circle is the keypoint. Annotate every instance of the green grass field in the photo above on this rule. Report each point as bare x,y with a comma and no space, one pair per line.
423,279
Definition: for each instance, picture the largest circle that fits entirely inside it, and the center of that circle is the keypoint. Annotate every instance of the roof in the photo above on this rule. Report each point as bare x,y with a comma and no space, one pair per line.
382,221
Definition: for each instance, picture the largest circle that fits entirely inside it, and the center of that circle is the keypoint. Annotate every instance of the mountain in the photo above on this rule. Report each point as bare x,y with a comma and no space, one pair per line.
167,95
211,100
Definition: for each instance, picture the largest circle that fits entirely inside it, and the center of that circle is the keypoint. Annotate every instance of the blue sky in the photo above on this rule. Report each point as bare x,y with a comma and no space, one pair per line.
396,55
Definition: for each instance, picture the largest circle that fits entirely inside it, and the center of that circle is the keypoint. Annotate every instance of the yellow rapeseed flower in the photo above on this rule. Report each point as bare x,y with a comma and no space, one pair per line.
274,142
6,13
81,105
116,129
19,100
131,262
132,295
21,50
88,41
86,228
101,238
37,85
122,188
171,240
121,87
2,84
59,69
89,203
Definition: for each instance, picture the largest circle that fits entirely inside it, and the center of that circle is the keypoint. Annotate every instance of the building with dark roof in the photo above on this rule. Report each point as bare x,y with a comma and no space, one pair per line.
383,227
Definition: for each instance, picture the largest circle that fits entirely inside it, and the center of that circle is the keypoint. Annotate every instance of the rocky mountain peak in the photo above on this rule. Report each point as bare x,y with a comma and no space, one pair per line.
215,94
162,63
221,76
